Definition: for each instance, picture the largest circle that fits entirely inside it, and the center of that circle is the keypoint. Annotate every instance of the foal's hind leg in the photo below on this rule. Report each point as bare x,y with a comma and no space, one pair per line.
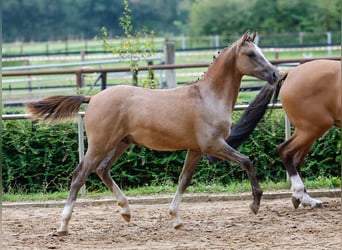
223,151
103,172
78,179
190,164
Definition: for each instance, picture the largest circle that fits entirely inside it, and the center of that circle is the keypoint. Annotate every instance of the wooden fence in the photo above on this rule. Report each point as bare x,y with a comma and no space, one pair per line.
79,72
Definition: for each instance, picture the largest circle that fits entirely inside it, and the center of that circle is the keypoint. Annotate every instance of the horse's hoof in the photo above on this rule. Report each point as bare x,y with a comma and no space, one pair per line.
318,205
254,208
62,233
295,202
178,225
127,217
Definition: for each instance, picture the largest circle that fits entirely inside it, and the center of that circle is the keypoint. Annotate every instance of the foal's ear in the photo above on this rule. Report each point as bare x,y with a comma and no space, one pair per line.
244,37
254,36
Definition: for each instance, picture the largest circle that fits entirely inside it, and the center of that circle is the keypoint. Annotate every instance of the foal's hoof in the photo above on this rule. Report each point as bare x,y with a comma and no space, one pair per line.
62,233
295,202
254,208
127,217
178,225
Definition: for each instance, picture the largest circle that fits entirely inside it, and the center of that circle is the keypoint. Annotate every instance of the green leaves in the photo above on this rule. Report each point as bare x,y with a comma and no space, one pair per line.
40,158
134,45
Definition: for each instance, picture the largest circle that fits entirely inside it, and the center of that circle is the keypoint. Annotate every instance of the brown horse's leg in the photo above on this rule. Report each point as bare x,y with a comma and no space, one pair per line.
78,179
190,164
223,151
292,152
103,172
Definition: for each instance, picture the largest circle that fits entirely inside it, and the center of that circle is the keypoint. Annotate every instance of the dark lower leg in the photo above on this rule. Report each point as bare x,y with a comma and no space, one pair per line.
190,164
103,172
79,177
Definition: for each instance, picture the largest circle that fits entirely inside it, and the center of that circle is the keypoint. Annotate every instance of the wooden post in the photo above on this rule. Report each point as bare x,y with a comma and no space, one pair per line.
135,72
103,80
217,41
169,51
329,41
79,79
66,47
150,71
29,76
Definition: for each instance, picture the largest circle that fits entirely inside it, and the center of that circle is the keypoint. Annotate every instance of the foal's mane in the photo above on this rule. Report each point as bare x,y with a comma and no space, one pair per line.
215,57
218,54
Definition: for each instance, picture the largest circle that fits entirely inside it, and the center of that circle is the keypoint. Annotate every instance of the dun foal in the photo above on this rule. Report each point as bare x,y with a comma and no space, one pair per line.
196,117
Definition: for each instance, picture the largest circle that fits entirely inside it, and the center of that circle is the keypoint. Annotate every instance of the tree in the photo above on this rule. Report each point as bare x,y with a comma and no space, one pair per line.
134,44
277,16
43,20
219,17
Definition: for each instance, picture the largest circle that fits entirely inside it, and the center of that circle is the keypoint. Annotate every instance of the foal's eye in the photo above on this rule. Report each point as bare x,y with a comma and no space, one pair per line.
251,54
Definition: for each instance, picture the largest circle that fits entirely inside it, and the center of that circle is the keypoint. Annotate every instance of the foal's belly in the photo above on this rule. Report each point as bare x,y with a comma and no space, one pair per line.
169,141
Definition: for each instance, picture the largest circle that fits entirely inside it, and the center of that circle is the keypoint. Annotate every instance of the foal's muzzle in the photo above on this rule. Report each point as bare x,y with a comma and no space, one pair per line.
273,76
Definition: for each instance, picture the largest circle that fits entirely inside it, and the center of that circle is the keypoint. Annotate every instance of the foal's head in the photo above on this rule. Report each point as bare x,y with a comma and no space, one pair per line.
250,60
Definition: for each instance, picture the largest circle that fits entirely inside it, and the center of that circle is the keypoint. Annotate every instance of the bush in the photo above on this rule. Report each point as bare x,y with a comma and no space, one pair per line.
41,158
38,157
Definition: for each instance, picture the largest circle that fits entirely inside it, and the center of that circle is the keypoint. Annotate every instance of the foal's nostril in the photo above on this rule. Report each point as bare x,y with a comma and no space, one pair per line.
275,75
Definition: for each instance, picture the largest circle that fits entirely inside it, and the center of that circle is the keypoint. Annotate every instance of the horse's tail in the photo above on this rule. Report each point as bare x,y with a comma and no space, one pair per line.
56,108
252,115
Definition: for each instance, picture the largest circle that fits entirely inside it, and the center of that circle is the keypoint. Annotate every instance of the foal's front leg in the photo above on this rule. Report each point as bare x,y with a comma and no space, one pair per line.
190,164
222,150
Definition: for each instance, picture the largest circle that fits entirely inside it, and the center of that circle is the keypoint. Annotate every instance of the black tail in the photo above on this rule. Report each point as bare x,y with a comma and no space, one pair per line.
252,115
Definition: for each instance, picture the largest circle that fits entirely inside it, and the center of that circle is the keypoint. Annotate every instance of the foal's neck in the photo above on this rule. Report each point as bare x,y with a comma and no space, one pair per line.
223,78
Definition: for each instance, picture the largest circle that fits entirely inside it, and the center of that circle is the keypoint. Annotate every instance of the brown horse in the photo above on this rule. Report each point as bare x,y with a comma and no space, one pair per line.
196,117
311,97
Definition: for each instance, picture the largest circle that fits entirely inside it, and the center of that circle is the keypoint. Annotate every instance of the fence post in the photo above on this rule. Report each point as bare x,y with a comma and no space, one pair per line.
66,47
103,80
27,61
170,74
79,79
150,76
135,73
183,42
47,49
81,146
217,41
329,43
287,136
287,128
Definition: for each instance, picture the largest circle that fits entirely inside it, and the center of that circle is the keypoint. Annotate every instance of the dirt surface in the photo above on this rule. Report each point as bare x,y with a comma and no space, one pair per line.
207,225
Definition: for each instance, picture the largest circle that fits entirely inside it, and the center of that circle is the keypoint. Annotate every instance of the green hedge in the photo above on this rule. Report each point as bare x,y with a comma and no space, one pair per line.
41,158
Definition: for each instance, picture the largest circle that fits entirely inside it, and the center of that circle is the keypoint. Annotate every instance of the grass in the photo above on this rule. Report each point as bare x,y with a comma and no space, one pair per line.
169,189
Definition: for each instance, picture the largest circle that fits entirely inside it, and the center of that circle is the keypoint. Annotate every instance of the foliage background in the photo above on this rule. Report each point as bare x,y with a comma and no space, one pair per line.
47,20
41,158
